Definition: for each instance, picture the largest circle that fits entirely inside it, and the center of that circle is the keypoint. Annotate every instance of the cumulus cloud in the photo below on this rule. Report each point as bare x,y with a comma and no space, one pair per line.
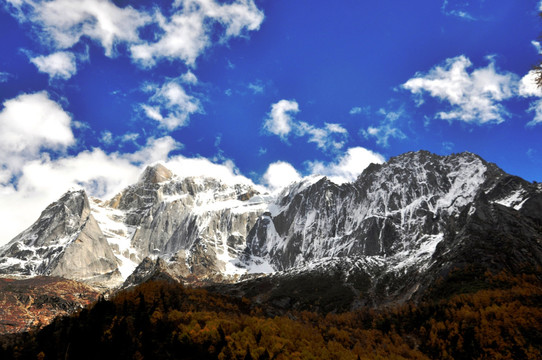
281,122
65,22
473,97
386,129
281,118
184,33
189,31
58,65
30,124
347,167
528,87
171,105
226,171
44,179
280,174
35,167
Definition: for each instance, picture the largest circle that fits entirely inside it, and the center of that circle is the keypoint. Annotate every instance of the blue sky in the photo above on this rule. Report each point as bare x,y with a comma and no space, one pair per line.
263,91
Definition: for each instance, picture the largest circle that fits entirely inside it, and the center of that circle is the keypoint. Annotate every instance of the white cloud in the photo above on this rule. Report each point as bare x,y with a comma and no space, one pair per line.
537,46
189,78
107,137
386,128
280,118
171,105
226,171
280,174
528,87
189,31
281,122
536,107
43,180
58,65
65,22
474,97
129,137
29,124
324,137
348,167
184,35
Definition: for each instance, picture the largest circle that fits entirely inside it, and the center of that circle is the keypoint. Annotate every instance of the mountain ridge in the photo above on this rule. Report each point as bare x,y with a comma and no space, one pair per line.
407,222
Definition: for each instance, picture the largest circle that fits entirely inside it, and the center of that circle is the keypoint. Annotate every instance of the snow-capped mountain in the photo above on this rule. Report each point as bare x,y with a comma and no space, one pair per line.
406,220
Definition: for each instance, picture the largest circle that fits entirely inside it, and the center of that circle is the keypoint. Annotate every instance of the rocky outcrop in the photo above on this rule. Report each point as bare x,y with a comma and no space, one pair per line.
400,225
65,241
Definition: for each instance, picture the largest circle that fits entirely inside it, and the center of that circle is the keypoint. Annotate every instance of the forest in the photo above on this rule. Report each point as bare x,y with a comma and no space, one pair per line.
499,318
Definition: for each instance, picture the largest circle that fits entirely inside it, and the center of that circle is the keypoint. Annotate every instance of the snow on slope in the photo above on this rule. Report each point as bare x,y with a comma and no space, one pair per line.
393,216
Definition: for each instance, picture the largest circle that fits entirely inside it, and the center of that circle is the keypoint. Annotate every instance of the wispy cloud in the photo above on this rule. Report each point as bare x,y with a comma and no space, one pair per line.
281,121
474,97
257,87
356,110
4,77
62,23
170,105
387,127
457,9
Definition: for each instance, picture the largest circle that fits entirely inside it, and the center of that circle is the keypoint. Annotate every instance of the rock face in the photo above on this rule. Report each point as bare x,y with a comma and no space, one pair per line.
399,227
391,209
65,241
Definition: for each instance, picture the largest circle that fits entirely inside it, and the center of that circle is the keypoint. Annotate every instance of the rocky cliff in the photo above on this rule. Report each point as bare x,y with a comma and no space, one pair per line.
400,226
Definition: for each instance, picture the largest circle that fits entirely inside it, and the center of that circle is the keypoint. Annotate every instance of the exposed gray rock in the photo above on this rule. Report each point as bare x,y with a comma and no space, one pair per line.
65,241
392,232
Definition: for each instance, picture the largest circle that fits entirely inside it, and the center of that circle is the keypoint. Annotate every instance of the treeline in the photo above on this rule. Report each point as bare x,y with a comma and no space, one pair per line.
160,320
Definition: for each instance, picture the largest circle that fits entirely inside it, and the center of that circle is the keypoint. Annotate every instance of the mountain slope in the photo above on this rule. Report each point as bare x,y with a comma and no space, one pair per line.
65,241
387,236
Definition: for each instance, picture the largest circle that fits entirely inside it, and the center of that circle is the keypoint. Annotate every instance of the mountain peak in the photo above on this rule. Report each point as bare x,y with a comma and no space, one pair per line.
156,174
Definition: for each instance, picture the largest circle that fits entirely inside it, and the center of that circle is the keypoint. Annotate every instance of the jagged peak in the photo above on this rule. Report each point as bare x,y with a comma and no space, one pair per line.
73,197
155,174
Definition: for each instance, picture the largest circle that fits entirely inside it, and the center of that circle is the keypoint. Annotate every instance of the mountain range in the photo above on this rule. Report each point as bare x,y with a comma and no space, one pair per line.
395,234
